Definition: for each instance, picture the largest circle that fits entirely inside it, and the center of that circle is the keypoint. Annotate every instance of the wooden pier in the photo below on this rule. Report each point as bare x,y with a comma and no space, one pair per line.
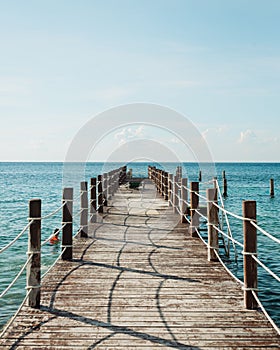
139,281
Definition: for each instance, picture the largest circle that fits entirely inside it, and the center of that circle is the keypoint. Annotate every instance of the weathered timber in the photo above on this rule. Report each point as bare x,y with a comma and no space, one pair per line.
271,188
250,248
33,269
84,210
140,281
67,223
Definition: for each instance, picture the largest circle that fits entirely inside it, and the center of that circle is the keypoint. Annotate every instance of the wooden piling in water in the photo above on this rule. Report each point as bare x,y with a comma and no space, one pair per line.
213,219
84,210
194,201
250,248
33,268
271,188
67,220
200,176
225,187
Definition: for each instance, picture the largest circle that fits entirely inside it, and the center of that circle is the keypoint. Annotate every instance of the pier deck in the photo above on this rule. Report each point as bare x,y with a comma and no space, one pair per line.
139,281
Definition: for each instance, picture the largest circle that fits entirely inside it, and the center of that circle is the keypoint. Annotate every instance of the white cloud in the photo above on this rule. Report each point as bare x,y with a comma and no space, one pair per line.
129,133
247,135
214,131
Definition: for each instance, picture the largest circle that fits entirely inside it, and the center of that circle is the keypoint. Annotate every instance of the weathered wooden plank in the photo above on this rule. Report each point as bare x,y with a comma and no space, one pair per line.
139,281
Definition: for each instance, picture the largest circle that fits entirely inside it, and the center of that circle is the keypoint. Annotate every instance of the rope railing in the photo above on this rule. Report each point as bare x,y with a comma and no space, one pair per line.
267,269
16,238
33,262
225,215
265,232
176,193
53,213
10,322
50,237
265,312
227,236
227,269
56,260
201,215
5,291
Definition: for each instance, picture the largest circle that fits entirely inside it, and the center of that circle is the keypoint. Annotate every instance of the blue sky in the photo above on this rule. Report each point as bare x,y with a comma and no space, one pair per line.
215,61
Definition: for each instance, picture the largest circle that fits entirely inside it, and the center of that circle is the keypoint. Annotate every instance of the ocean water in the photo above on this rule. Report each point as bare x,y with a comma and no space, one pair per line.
20,182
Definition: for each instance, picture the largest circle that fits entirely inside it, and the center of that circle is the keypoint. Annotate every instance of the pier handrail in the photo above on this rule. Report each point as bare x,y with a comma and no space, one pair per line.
16,238
153,171
118,177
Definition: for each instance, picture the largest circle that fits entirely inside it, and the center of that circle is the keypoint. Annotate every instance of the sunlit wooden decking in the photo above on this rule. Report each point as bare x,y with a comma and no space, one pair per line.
139,281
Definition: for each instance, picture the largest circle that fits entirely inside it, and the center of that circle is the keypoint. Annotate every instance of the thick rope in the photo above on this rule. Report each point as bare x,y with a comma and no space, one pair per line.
265,312
227,269
56,232
15,315
229,237
56,260
17,237
16,278
264,267
265,233
201,215
54,212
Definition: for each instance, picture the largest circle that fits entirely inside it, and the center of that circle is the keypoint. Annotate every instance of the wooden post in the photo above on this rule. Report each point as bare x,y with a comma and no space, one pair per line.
271,188
175,194
250,247
116,181
170,188
184,194
213,219
67,220
225,187
105,189
215,179
162,182
93,199
33,268
194,200
166,186
99,194
84,210
224,174
200,176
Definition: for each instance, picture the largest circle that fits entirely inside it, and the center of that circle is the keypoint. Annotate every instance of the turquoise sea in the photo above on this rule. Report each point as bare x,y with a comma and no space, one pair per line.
20,182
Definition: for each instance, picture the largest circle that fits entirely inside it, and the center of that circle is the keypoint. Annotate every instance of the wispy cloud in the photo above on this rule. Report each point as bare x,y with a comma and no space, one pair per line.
247,135
129,133
214,131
